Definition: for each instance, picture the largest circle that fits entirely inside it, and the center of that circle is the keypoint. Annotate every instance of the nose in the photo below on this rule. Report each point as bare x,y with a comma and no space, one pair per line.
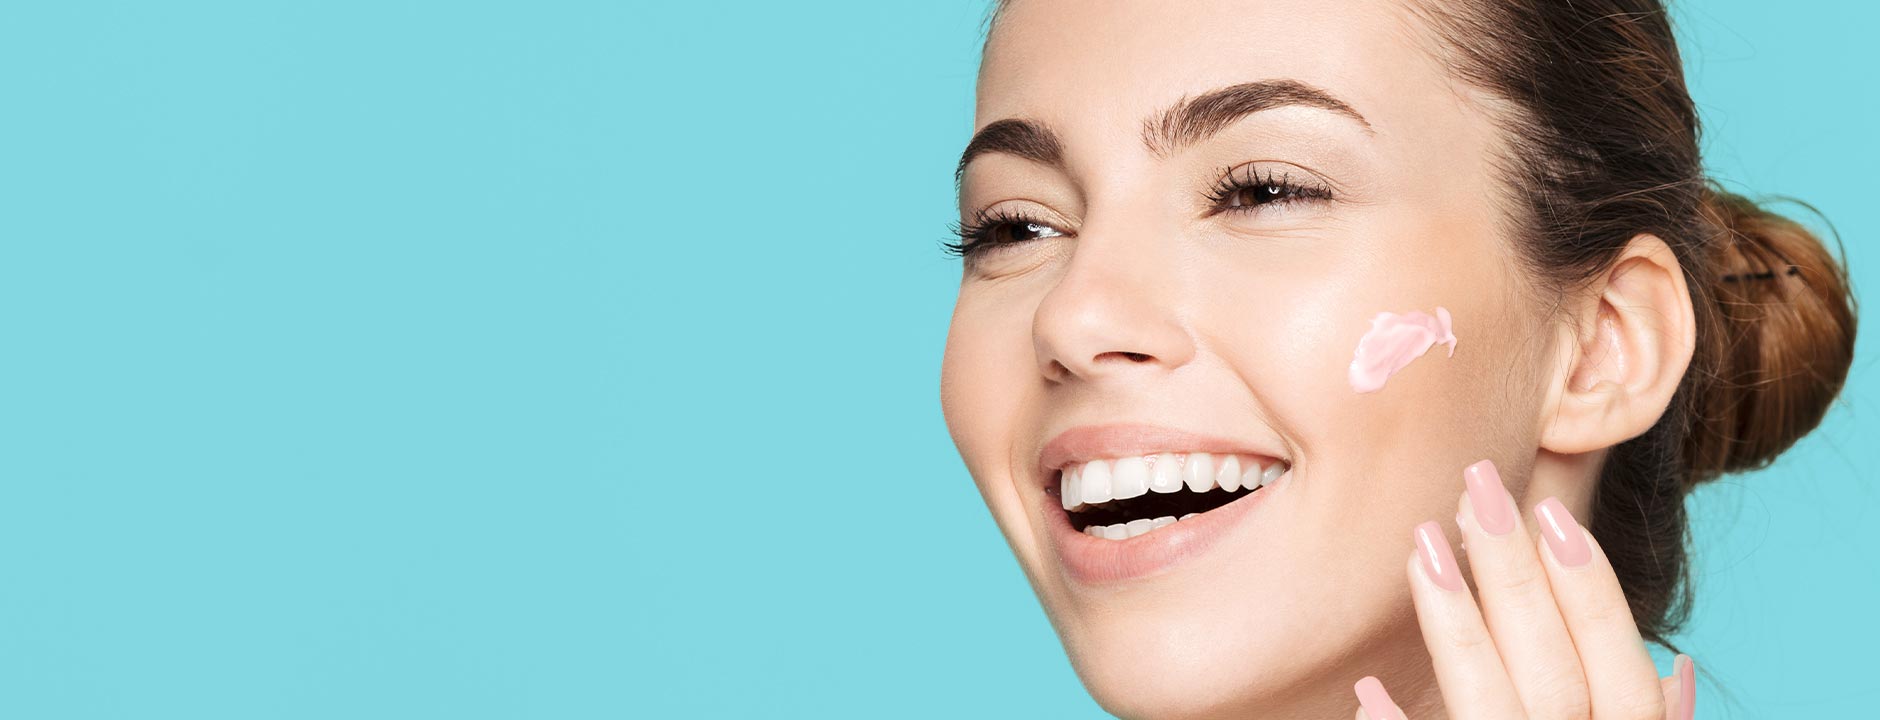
1113,312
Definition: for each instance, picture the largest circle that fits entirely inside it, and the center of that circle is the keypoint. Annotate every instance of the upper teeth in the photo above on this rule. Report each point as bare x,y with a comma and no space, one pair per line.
1123,478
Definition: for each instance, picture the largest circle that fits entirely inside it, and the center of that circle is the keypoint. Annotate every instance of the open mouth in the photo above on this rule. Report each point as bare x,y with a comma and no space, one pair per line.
1121,498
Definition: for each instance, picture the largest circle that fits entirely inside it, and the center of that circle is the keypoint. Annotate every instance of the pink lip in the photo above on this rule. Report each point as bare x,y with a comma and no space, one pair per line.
1098,561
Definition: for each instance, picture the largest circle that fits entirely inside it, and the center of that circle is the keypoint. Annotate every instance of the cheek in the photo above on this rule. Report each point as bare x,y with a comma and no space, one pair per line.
987,393
1392,456
987,359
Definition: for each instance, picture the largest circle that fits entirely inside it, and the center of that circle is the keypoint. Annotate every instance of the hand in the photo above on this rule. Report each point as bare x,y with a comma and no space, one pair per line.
1552,637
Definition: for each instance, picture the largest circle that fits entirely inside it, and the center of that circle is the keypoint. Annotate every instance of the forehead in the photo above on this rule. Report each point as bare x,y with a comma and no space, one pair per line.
1090,66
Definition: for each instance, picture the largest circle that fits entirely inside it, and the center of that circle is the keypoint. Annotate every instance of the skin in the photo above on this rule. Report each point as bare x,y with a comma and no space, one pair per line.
1140,306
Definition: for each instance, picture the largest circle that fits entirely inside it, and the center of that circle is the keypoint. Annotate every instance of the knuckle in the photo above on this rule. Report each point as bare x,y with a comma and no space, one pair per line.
1641,703
1514,578
1466,637
1609,611
1561,699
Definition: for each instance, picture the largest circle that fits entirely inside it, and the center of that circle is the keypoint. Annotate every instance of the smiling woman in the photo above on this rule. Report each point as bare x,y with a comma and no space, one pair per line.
1178,228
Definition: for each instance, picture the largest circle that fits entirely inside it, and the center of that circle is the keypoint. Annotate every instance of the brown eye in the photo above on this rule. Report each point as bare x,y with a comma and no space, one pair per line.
1019,232
1256,192
1258,195
998,228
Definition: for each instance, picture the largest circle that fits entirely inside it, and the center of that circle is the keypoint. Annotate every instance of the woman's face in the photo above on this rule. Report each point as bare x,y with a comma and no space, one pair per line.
1144,313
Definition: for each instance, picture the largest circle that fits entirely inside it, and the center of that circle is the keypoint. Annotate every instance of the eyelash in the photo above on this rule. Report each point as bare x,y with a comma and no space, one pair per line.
972,237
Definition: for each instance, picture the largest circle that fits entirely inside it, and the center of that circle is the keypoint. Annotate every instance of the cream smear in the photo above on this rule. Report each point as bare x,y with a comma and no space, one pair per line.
1394,341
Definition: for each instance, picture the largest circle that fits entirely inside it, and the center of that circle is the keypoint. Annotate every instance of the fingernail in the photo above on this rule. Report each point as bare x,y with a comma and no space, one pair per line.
1687,686
1438,562
1374,700
1563,534
1489,499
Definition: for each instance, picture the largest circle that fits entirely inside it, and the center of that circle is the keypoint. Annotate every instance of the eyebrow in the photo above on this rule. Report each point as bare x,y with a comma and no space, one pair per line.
1187,122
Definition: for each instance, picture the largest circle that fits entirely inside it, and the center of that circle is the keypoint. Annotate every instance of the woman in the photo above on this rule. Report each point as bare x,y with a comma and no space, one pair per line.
1329,357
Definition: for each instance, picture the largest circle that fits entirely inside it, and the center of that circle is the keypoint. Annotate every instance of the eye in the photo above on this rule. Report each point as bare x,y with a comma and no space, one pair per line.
1250,190
1002,227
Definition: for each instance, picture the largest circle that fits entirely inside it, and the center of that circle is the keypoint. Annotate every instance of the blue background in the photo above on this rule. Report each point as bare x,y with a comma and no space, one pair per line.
424,359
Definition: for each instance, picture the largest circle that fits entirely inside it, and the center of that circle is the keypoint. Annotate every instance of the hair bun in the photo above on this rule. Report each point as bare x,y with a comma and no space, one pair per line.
1786,322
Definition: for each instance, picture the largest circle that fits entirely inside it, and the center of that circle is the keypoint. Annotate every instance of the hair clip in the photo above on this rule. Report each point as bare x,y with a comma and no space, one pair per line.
1764,275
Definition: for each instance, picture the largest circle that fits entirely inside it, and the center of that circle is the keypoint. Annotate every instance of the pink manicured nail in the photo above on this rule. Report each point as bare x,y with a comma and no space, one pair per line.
1438,562
1489,498
1562,533
1375,701
1687,687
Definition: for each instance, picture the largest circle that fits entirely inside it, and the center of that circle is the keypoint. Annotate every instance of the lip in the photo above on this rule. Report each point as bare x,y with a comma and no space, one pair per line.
1099,561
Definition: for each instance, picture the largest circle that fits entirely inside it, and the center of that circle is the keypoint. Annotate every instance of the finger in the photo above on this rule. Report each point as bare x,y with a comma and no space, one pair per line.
1621,681
1468,671
1680,690
1517,602
1373,702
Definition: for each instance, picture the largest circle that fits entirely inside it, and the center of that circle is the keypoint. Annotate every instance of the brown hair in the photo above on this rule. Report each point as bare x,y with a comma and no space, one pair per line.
1605,148
1602,145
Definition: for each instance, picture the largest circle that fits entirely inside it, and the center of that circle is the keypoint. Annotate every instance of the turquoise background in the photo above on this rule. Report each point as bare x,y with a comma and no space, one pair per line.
580,360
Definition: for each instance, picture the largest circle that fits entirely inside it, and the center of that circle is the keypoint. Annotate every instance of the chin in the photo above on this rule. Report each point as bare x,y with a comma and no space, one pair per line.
1241,630
1188,667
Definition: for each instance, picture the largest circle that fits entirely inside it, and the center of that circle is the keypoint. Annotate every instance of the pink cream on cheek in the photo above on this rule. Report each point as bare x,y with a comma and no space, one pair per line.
1393,341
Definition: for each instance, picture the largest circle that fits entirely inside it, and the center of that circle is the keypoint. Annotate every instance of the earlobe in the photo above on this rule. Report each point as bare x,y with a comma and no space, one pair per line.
1626,352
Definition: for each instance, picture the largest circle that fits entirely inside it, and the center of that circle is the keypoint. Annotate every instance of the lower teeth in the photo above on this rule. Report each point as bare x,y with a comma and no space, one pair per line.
1123,531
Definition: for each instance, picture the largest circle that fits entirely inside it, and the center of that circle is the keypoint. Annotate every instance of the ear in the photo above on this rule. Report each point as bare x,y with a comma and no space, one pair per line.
1623,353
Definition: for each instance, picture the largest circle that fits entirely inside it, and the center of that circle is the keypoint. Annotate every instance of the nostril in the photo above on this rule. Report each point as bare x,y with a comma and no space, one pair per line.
1137,357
